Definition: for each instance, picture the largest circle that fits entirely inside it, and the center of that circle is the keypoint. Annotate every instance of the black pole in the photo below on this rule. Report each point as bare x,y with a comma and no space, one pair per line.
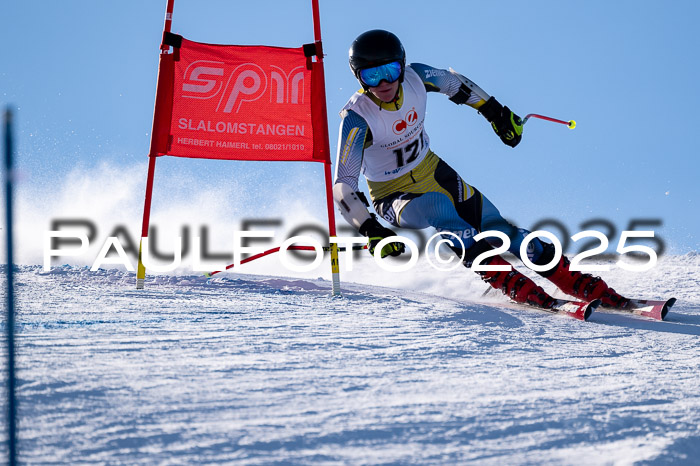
11,400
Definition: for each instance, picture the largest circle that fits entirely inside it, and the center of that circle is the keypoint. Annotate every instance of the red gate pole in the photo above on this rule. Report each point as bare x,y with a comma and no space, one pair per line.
335,267
152,156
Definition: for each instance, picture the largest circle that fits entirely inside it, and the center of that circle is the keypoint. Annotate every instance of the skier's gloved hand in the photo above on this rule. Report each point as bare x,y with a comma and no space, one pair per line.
375,232
507,125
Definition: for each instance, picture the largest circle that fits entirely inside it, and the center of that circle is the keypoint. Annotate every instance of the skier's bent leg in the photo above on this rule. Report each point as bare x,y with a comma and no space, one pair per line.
435,209
492,220
580,285
512,283
431,209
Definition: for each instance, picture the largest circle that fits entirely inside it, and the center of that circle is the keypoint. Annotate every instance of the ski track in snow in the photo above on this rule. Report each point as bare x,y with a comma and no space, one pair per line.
264,370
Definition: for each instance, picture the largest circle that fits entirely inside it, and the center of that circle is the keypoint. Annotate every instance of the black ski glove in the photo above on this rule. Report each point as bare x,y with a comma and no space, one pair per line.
507,125
375,232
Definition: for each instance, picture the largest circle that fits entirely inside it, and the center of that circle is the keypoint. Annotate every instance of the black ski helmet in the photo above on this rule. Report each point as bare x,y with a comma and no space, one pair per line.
374,48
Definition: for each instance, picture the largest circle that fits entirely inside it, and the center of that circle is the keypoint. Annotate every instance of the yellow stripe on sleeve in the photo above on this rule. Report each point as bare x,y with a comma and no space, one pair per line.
348,144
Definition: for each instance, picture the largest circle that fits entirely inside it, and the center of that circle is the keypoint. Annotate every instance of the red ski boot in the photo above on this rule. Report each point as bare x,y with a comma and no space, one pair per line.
583,286
516,285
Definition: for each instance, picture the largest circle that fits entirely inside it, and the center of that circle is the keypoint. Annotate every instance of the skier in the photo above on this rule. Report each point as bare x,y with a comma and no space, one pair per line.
382,135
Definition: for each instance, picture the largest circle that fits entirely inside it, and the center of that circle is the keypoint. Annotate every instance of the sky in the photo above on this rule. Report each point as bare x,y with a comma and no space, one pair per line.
81,77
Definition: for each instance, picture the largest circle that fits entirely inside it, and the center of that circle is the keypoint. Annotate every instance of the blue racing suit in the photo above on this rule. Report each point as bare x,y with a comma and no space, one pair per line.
410,186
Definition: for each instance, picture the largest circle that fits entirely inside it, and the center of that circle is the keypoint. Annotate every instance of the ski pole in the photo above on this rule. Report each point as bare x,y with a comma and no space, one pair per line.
274,250
571,123
483,95
11,385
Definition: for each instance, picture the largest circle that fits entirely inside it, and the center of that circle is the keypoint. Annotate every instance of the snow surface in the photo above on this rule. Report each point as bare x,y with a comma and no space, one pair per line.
256,369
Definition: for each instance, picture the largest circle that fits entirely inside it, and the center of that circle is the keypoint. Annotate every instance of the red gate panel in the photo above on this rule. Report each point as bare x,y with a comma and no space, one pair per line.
237,103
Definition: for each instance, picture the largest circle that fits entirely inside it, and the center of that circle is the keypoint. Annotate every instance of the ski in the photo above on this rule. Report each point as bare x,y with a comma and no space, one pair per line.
576,309
646,307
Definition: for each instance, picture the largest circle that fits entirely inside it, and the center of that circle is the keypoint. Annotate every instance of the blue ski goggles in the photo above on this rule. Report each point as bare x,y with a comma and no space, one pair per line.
389,72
